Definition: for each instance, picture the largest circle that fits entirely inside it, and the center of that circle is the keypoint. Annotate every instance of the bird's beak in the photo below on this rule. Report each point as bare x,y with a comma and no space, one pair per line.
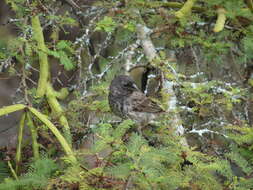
134,86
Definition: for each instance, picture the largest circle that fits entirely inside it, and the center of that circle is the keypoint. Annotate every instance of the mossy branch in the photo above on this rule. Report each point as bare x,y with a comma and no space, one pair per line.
20,138
66,147
221,19
53,103
9,109
250,82
157,4
41,47
62,94
57,109
186,9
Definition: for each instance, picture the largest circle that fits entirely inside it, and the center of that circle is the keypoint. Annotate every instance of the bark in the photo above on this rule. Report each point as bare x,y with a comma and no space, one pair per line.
150,53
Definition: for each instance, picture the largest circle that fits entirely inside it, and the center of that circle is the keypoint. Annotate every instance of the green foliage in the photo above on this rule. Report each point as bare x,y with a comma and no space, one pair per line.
19,7
109,136
4,171
64,52
242,152
241,135
240,161
118,154
62,20
39,172
206,95
132,158
248,46
101,105
107,24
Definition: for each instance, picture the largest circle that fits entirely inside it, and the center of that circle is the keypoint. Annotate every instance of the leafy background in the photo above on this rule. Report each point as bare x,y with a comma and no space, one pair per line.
87,44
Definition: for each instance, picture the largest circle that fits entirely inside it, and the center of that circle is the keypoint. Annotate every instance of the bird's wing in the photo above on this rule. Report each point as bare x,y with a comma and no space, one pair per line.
141,103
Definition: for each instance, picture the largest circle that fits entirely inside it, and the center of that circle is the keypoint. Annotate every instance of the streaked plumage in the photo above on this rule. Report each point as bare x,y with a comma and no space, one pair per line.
127,101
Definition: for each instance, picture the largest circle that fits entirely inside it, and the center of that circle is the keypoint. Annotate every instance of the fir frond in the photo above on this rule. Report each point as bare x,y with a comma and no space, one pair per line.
4,171
240,161
37,177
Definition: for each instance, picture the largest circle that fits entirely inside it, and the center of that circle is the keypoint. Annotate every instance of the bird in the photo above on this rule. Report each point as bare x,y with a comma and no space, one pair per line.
127,101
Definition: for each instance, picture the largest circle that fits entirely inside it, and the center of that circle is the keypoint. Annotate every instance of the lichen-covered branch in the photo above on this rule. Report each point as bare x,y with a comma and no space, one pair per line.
221,19
150,53
185,10
43,61
129,56
148,47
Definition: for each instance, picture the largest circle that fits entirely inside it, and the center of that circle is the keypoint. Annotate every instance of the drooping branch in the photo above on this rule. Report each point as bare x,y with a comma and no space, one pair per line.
66,147
43,118
20,139
34,136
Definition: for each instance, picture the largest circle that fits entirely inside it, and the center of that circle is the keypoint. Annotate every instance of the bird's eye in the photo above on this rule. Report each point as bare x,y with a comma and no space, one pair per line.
128,84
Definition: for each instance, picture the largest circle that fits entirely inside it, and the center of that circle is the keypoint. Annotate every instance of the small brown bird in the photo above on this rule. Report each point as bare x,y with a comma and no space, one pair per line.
127,101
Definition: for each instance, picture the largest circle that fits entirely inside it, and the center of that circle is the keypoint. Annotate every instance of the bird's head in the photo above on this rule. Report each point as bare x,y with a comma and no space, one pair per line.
123,84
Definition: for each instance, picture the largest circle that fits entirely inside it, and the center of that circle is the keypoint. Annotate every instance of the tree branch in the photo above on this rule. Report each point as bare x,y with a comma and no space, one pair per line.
157,4
186,9
221,19
57,110
149,50
44,67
